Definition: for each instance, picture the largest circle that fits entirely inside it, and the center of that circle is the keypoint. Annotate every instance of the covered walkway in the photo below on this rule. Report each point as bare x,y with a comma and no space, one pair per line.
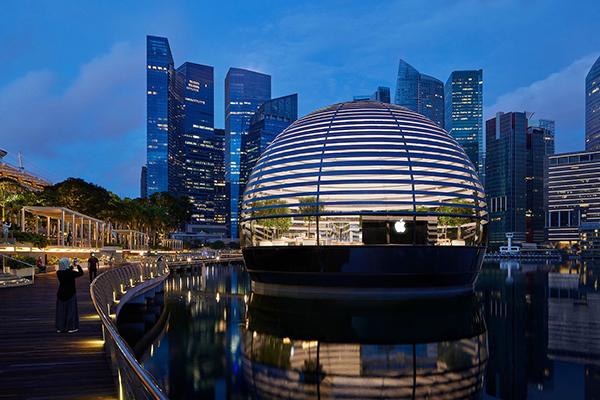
132,240
64,227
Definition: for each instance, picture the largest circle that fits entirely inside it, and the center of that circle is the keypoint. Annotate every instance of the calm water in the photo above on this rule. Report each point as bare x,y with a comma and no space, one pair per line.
213,339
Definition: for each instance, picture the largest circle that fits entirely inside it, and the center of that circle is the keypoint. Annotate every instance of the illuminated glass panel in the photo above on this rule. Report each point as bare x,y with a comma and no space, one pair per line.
348,173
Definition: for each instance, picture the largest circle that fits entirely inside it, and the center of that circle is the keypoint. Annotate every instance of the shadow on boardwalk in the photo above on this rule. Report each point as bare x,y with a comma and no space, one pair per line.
36,362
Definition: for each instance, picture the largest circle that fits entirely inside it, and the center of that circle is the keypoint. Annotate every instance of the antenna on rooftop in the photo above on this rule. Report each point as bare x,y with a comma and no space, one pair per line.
21,162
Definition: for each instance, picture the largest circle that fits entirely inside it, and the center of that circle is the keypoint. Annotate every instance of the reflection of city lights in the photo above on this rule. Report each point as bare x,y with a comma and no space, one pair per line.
309,344
218,297
286,340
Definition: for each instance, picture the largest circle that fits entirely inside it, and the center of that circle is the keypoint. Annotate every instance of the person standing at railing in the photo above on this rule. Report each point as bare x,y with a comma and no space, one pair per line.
67,316
5,227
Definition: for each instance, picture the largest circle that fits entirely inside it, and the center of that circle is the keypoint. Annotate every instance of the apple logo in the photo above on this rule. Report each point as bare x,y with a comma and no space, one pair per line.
400,226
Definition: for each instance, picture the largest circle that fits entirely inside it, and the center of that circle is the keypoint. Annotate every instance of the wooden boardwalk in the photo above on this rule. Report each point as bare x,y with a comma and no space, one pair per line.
36,362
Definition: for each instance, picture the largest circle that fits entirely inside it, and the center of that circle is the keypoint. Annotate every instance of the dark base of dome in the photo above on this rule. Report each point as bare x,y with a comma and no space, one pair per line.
398,271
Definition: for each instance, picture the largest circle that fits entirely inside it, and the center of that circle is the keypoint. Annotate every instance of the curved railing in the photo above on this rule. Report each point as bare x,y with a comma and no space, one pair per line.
109,290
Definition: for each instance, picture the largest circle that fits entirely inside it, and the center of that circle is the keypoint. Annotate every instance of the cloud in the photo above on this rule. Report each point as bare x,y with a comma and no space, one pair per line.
558,97
92,117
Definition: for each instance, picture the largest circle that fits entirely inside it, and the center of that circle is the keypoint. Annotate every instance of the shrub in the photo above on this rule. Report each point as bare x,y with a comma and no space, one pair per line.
38,241
17,265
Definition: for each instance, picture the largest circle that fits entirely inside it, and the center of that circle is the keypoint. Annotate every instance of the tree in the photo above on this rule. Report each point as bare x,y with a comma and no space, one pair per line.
11,192
277,223
78,195
310,209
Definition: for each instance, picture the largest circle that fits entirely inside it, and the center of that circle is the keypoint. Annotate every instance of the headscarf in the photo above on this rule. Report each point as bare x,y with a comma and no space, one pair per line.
64,264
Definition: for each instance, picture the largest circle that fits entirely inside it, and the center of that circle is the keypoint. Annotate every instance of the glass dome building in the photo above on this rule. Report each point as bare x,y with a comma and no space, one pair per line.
364,195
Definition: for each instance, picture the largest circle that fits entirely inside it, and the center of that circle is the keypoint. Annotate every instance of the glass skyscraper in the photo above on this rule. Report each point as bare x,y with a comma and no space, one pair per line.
195,84
592,107
514,184
161,111
245,91
421,93
464,113
271,118
181,145
381,94
219,178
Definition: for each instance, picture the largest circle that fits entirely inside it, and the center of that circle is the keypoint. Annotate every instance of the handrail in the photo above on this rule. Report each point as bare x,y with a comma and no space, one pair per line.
148,274
17,260
4,257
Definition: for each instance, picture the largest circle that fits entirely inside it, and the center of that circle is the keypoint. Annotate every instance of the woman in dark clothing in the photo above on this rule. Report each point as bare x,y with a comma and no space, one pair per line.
67,317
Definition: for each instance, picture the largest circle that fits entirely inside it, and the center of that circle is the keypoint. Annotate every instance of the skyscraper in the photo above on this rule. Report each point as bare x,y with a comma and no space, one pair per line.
515,178
464,113
144,182
573,197
219,177
271,118
419,92
381,94
592,107
245,91
180,130
549,129
195,85
161,111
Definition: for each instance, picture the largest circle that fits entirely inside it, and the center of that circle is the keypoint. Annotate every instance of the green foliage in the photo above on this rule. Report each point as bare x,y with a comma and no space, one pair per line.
216,245
38,241
451,209
233,245
312,209
274,352
281,224
78,195
17,265
13,196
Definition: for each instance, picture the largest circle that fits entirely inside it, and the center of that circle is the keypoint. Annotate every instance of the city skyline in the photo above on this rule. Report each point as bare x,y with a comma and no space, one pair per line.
74,73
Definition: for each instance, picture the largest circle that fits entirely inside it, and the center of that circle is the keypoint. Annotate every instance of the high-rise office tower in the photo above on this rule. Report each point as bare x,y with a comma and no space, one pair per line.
464,113
419,92
245,91
180,130
573,198
195,84
161,111
382,94
219,177
515,178
548,126
271,118
144,182
592,107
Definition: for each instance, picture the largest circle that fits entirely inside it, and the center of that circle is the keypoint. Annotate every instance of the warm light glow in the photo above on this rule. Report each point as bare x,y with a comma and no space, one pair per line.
400,226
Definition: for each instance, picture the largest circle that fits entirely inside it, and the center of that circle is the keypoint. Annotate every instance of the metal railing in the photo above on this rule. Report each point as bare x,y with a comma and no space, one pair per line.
4,257
107,291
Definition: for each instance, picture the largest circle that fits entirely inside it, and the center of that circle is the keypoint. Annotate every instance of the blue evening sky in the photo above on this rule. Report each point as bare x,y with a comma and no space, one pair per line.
72,73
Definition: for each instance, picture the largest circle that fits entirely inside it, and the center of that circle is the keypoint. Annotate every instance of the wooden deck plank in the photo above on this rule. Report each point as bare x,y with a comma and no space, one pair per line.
36,362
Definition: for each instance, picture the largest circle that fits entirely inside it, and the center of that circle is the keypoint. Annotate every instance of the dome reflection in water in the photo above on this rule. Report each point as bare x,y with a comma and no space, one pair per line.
220,341
325,349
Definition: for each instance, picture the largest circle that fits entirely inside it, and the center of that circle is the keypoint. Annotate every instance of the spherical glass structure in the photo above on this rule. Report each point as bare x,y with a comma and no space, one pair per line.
346,184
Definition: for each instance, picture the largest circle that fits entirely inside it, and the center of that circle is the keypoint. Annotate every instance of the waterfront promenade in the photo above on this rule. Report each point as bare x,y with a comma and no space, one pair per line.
36,362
